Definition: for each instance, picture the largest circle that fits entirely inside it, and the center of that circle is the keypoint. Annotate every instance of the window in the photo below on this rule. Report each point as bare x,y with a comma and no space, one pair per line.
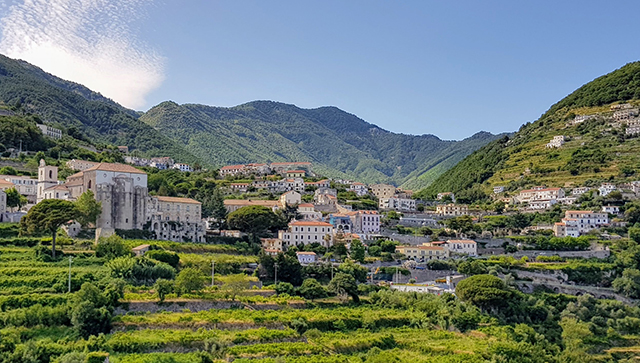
50,174
126,220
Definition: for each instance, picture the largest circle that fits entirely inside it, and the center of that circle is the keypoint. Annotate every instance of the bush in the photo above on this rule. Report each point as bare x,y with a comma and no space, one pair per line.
170,258
112,247
190,280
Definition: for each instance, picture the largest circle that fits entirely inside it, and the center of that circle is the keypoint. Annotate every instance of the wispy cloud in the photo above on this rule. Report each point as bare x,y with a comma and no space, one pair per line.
85,41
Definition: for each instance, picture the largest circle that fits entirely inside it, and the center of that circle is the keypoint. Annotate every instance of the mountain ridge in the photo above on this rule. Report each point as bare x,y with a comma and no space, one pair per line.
262,131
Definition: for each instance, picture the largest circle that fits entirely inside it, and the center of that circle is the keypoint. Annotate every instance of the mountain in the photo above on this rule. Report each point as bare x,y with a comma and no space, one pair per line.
30,90
596,150
338,143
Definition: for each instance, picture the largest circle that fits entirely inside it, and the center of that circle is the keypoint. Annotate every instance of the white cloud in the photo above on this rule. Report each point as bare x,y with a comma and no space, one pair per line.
85,41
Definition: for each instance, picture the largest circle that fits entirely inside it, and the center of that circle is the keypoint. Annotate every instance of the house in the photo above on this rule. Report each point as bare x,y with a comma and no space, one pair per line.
452,209
611,209
307,212
365,221
296,184
540,193
257,168
136,161
233,205
581,118
464,247
290,198
239,187
57,192
441,196
423,253
306,232
633,127
234,233
25,185
81,165
358,188
556,142
580,190
341,222
498,190
231,170
382,191
296,173
625,114
273,244
51,132
306,258
139,251
281,168
606,188
541,204
176,219
397,204
123,149
4,185
621,106
578,222
182,167
324,183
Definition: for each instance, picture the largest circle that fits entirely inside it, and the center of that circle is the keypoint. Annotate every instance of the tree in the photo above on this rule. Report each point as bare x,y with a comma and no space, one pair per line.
629,283
462,224
15,199
89,209
163,287
474,267
498,207
253,219
168,257
189,280
112,247
235,284
484,291
284,288
48,215
90,312
357,251
342,284
358,272
311,290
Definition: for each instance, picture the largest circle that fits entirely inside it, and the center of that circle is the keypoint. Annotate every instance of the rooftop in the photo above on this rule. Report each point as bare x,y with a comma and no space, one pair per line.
306,253
246,202
178,200
310,223
122,168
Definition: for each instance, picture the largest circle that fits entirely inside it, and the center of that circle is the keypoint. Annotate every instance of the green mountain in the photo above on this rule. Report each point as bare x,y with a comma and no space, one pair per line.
338,143
597,150
30,90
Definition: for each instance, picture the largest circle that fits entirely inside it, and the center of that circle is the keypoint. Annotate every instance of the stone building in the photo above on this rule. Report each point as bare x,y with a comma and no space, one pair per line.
383,191
175,219
47,178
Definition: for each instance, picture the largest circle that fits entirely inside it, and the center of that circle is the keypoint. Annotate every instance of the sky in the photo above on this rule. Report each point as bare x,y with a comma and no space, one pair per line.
448,68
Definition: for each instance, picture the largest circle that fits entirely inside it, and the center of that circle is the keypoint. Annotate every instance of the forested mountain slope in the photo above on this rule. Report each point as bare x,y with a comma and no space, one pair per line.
596,150
30,90
338,143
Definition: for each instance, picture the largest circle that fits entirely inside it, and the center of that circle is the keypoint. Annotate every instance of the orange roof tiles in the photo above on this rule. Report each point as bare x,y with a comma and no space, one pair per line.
115,167
178,200
310,223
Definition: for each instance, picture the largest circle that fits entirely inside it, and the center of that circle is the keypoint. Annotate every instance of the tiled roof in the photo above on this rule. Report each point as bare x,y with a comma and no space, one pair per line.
58,187
306,205
310,223
178,200
122,168
460,241
246,202
6,182
232,167
296,171
306,253
294,163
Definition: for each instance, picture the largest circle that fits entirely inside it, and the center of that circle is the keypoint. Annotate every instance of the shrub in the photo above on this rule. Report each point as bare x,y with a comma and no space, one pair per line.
170,258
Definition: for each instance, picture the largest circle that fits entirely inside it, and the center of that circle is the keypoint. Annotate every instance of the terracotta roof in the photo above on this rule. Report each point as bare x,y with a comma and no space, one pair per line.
76,175
178,200
247,202
239,184
460,241
58,187
74,182
310,223
122,168
294,163
306,205
6,182
357,183
231,167
296,171
271,250
580,211
306,253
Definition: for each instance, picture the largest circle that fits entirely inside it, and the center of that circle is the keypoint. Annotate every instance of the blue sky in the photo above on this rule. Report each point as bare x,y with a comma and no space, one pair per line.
445,68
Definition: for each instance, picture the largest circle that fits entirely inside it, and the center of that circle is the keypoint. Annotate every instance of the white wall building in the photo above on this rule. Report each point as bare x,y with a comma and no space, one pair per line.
577,222
306,232
556,142
606,188
52,132
306,258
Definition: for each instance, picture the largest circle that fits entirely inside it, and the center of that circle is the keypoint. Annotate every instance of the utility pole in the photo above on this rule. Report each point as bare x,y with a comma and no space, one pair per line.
70,259
213,268
275,267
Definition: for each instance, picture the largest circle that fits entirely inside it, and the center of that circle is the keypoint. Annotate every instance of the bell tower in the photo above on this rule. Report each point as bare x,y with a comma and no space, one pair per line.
47,178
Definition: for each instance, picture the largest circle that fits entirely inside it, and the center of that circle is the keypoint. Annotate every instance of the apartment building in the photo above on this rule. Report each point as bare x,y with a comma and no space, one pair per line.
307,232
232,205
452,209
578,222
176,219
423,253
383,191
51,132
540,193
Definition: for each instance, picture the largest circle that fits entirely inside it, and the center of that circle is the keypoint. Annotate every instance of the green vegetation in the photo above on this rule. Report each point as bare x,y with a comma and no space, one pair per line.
340,144
594,151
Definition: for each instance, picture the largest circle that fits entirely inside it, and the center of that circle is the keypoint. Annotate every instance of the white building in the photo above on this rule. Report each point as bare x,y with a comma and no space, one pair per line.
182,167
442,195
556,142
577,222
611,209
542,204
606,188
25,185
176,219
580,190
307,212
52,132
306,232
540,193
57,192
464,247
498,190
290,198
398,204
365,222
47,178
306,258
358,188
452,209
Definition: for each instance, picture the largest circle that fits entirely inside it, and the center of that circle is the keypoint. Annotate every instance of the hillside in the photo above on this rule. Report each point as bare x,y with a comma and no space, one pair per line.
597,149
338,143
30,90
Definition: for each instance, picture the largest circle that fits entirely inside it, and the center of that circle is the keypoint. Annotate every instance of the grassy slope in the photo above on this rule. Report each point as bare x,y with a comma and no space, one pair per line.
340,144
69,104
506,162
